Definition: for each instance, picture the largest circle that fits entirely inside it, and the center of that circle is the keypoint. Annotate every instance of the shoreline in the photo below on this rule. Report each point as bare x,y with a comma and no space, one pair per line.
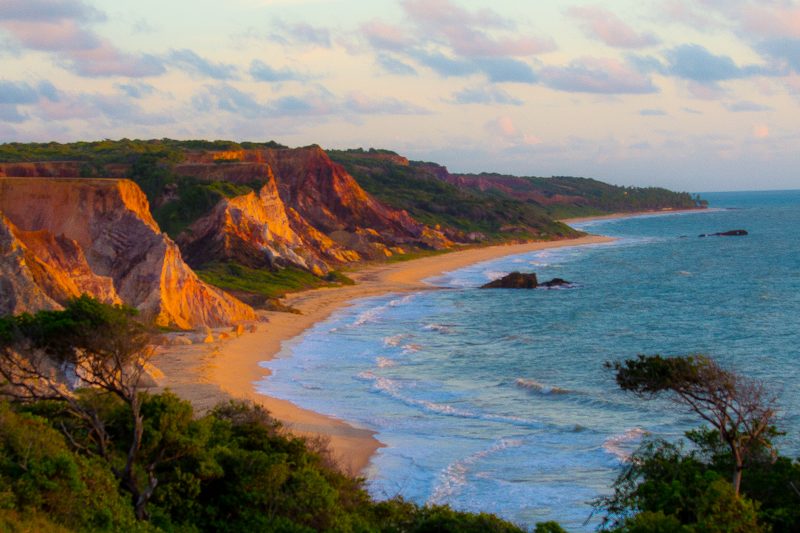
209,374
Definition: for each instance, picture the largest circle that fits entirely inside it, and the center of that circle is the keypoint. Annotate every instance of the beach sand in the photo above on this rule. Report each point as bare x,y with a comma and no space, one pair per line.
207,374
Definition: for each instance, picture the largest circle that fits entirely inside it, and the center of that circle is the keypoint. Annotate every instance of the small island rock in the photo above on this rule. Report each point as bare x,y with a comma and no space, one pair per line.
515,280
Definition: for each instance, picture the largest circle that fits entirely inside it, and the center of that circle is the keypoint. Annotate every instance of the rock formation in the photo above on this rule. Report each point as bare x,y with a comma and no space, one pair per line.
310,213
90,229
254,230
556,282
730,233
515,280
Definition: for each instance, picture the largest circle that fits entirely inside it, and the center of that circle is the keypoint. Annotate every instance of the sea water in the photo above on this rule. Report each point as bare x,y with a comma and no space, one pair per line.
498,401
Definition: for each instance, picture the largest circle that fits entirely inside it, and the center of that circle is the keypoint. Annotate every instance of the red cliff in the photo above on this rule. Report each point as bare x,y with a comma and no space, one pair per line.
107,224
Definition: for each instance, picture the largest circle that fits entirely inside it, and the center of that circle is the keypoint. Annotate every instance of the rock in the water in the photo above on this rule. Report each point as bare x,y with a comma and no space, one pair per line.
730,233
515,280
556,282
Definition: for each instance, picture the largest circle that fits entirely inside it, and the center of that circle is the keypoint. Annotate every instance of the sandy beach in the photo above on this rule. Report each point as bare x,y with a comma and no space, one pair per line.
207,374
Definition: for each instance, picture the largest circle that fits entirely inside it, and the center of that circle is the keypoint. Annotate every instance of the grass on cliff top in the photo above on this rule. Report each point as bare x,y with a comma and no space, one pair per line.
266,283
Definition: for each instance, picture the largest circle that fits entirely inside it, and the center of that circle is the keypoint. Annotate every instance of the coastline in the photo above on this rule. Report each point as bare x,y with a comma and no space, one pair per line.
208,374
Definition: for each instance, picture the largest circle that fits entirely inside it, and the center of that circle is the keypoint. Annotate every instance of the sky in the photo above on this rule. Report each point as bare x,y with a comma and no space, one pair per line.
697,95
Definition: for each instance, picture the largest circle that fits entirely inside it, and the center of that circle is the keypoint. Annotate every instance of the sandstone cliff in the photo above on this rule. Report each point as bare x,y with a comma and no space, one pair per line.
329,199
310,213
107,225
254,230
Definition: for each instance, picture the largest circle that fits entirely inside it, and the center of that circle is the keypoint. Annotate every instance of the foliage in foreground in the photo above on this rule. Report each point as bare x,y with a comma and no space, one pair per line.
699,487
238,471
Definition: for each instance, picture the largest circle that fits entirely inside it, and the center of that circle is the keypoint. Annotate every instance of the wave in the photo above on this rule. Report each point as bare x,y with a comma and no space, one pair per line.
394,340
441,328
373,313
454,476
411,348
384,362
623,445
393,389
541,388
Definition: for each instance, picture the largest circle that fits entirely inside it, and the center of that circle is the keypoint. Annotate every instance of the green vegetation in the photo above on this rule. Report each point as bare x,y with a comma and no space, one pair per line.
672,487
434,201
233,469
266,283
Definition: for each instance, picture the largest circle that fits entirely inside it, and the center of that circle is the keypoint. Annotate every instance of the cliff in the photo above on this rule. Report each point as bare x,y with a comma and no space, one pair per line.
309,213
331,200
254,230
41,169
89,229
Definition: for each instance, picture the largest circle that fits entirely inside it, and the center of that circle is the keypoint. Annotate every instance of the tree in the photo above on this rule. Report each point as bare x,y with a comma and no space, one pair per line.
52,355
740,409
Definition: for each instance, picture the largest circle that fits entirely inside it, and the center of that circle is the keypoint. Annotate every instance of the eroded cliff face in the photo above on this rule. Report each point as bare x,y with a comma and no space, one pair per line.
254,230
107,225
329,199
310,213
19,290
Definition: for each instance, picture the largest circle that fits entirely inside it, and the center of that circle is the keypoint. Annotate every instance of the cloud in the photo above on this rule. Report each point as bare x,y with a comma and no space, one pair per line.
454,42
503,127
694,62
605,26
442,64
136,89
360,103
596,75
17,93
301,34
746,106
395,66
464,30
195,65
43,10
61,28
652,112
260,71
10,113
772,20
785,50
117,109
760,131
501,69
317,101
386,37
484,95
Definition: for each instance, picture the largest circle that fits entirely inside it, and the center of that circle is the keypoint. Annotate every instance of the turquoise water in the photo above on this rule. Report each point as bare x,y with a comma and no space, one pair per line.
498,401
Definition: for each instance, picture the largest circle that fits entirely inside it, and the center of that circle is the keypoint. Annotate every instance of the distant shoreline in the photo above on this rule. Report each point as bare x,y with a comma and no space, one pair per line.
207,374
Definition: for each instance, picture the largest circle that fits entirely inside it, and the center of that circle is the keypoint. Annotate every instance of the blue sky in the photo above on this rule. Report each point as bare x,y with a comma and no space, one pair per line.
692,95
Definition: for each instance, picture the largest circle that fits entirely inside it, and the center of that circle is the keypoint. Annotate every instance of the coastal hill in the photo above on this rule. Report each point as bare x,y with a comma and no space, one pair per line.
254,219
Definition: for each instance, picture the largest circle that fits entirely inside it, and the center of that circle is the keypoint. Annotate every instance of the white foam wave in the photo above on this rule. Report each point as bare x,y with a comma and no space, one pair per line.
623,445
393,389
441,328
541,388
492,275
370,315
384,362
411,348
394,340
454,476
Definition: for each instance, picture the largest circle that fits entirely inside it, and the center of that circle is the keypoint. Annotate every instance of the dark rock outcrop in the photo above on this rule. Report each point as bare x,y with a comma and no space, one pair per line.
556,282
729,233
515,280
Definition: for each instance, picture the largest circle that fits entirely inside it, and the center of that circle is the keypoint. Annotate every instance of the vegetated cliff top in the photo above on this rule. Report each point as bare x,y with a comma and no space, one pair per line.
557,196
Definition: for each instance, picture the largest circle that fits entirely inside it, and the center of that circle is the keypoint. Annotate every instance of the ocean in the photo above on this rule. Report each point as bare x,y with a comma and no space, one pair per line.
497,400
